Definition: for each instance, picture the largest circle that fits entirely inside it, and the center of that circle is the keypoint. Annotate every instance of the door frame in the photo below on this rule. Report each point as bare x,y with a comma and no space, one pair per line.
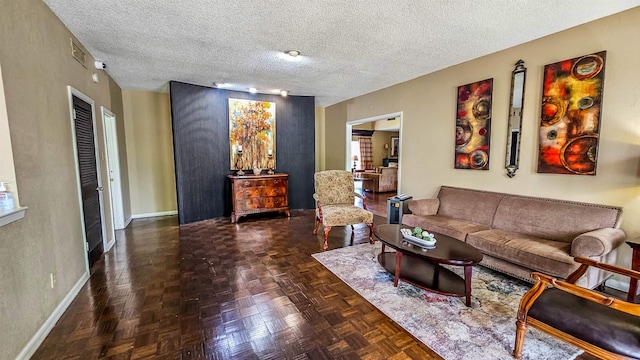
110,131
348,137
74,92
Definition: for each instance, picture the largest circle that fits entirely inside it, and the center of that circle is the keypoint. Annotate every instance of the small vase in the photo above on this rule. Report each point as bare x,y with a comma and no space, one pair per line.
257,171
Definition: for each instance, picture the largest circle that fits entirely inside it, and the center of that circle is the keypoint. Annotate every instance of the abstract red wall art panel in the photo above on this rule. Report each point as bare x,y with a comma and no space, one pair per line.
473,125
570,115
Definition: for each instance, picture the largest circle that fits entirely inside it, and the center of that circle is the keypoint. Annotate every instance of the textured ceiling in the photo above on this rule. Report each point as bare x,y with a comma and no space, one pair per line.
349,48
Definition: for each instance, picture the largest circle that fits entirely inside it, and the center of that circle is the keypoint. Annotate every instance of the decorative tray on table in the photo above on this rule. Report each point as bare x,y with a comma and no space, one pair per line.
428,243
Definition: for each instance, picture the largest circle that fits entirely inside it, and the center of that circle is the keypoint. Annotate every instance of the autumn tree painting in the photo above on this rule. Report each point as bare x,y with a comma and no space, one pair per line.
252,126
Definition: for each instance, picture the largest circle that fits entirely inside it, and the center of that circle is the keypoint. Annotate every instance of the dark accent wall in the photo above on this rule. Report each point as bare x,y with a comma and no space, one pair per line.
200,117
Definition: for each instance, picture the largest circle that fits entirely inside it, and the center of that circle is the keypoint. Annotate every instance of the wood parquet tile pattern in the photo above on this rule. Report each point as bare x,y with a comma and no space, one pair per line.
216,290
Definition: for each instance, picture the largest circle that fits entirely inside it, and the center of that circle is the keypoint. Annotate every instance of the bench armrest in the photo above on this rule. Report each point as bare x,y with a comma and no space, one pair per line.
598,242
424,206
586,262
544,281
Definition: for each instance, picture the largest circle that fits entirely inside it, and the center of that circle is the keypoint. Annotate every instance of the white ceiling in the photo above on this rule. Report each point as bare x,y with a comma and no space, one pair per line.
349,48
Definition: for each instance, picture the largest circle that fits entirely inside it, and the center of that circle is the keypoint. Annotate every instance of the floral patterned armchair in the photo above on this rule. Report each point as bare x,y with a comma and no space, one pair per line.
335,196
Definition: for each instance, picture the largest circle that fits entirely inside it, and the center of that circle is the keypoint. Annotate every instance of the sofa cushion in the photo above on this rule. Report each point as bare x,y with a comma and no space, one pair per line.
547,256
456,228
471,205
424,206
342,215
597,242
553,219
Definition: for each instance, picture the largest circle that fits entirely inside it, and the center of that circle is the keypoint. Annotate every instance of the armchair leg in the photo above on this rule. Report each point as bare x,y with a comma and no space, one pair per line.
326,236
370,233
315,230
521,330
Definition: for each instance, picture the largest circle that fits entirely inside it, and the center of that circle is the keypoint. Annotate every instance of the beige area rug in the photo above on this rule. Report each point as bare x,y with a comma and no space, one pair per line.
484,331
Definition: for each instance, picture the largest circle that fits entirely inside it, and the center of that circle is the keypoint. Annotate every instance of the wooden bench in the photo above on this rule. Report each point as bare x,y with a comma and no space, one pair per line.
603,326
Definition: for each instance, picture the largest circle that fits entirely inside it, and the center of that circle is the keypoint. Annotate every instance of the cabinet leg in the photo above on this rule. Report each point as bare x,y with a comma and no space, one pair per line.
233,217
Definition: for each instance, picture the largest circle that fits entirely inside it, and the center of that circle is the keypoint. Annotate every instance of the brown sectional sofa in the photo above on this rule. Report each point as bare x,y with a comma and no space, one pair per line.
520,234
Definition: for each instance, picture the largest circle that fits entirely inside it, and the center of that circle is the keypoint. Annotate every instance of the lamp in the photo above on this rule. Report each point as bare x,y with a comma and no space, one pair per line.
239,163
292,53
270,162
355,160
386,147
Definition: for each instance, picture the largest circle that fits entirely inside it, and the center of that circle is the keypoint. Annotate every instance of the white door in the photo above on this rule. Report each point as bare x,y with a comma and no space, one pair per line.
113,167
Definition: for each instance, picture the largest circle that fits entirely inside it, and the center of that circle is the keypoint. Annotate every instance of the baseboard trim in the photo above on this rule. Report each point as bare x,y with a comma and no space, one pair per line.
126,223
37,339
154,214
110,244
619,285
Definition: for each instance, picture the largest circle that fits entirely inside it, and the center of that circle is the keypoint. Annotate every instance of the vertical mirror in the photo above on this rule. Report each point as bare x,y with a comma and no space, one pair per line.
515,118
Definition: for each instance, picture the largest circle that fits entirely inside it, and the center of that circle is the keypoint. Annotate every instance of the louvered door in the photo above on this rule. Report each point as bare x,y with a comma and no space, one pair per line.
88,178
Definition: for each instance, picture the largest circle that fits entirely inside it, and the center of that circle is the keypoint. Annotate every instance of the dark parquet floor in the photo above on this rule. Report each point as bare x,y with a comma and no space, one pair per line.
216,290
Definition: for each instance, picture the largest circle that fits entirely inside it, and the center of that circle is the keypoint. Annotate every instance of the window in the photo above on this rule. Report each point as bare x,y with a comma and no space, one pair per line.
7,170
355,151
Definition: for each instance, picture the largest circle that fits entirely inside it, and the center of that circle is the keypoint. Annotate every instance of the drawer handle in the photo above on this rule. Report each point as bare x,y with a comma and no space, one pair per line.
246,183
276,181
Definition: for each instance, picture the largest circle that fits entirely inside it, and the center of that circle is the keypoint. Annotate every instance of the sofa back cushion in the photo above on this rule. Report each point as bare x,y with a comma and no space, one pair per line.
553,219
467,204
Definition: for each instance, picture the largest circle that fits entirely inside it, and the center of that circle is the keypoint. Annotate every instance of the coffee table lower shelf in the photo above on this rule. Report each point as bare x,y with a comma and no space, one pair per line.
424,274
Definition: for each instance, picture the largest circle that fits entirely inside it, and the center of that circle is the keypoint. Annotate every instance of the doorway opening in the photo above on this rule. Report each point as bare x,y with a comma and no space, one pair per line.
379,149
90,191
113,168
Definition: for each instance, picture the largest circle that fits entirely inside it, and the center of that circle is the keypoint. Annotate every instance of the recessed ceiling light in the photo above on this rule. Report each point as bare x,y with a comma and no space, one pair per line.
253,90
292,53
221,85
284,93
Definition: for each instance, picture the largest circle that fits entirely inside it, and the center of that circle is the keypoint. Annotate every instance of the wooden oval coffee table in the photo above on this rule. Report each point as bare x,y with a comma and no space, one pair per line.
421,267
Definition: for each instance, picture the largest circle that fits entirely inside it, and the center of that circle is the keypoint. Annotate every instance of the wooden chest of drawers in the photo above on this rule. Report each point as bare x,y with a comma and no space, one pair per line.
252,194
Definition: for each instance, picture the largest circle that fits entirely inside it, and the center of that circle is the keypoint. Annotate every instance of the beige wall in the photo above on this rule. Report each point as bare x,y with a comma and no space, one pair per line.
364,126
388,125
334,127
428,104
149,152
378,140
319,138
37,67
